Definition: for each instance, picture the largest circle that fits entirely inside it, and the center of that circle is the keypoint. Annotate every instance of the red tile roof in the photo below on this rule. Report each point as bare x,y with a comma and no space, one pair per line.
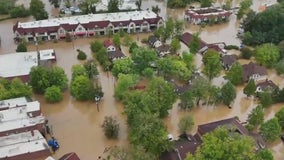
70,156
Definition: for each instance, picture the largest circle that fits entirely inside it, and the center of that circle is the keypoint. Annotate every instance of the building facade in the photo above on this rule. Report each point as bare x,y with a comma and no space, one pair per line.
197,16
87,25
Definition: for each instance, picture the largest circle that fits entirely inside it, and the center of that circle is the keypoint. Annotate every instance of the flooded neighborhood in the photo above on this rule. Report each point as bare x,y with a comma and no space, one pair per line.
77,125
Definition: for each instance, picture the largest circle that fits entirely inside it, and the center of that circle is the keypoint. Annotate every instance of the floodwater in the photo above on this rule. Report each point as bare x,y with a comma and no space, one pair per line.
77,125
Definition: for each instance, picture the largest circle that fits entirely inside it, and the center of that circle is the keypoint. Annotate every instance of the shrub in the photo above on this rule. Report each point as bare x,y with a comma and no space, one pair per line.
246,53
110,127
53,94
81,55
229,47
22,47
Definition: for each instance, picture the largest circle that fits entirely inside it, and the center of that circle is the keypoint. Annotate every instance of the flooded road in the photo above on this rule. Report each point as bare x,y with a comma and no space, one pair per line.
77,125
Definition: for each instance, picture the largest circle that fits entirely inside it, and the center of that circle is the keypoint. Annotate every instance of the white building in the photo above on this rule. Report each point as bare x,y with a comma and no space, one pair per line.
11,103
88,25
24,146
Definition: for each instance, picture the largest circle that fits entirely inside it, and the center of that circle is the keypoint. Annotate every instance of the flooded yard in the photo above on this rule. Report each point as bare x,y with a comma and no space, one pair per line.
77,125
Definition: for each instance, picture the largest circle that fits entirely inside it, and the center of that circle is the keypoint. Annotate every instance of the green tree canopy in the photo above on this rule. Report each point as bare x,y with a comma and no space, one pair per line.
267,54
124,83
37,10
19,11
81,88
91,69
199,89
279,67
185,124
234,75
212,64
187,100
130,153
265,99
175,45
110,127
159,97
250,88
53,94
124,66
143,57
113,5
280,116
22,47
39,79
194,44
228,93
222,144
256,116
96,46
14,89
270,130
78,70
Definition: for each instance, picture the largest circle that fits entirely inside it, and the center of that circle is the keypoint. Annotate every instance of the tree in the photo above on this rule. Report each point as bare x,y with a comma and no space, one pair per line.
212,64
250,88
188,59
39,79
53,94
143,57
228,93
81,55
177,3
113,5
234,75
185,124
205,3
279,67
159,97
81,88
19,11
215,96
246,53
55,3
132,47
194,44
265,99
96,46
223,144
156,9
280,117
124,83
138,3
91,69
270,130
6,6
22,47
127,40
88,6
124,66
78,70
199,89
130,153
175,45
264,154
256,116
116,40
244,8
149,132
58,77
267,54
281,49
110,127
37,10
187,100
16,88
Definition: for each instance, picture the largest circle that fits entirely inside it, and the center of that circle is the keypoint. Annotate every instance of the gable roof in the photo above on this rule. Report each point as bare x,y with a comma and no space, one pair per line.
70,156
187,37
267,84
152,39
228,60
115,54
251,69
108,43
163,48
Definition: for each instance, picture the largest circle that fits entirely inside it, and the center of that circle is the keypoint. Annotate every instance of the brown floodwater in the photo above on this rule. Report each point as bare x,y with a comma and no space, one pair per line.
77,125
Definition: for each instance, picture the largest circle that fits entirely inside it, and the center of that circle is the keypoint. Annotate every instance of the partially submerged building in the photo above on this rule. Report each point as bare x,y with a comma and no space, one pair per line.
197,16
189,143
253,71
88,25
13,102
28,145
18,65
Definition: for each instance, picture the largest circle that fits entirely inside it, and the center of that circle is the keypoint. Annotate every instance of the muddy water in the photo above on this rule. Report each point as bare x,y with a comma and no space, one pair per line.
77,125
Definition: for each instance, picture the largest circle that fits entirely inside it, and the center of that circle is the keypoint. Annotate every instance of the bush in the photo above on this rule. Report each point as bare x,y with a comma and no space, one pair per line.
185,124
19,11
22,47
110,127
246,53
81,55
229,47
53,94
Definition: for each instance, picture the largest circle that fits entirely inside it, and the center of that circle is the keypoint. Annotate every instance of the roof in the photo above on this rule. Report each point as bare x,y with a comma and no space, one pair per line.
207,12
70,156
163,48
234,122
108,43
228,60
17,64
48,54
115,54
72,22
125,5
22,143
10,103
187,37
152,39
267,84
251,69
19,117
